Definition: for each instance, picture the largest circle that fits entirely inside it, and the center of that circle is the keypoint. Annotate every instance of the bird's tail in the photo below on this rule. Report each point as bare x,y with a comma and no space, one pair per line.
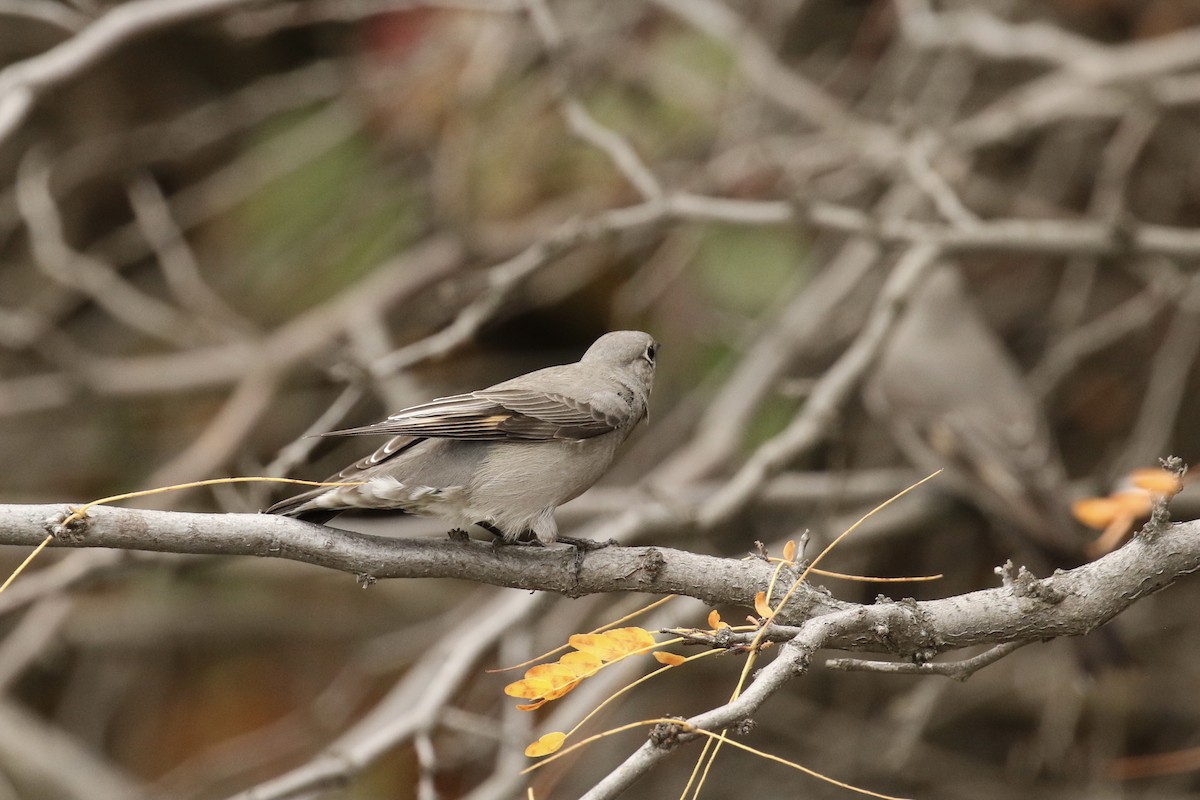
295,507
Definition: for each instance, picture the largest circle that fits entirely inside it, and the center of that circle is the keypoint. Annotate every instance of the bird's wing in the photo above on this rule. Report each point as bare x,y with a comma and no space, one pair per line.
512,412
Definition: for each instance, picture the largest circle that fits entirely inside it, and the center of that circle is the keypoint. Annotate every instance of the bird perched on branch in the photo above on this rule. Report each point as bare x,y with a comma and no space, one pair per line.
953,397
503,457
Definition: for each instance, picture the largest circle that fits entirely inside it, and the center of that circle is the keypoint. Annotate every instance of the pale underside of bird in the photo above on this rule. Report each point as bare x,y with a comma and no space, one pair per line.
503,457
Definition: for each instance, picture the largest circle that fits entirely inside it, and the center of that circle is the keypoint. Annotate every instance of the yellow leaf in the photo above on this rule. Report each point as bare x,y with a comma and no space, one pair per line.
580,663
532,706
760,605
559,691
714,619
556,674
547,744
789,551
528,689
633,638
597,645
670,659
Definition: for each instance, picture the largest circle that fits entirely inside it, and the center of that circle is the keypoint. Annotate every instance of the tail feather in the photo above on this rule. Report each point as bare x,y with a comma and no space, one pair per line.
295,507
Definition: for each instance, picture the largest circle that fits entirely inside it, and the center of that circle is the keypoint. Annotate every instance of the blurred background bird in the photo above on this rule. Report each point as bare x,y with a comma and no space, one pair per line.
954,398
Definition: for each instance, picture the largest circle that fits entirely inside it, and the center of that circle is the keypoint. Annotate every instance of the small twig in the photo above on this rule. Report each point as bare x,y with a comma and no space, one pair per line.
957,670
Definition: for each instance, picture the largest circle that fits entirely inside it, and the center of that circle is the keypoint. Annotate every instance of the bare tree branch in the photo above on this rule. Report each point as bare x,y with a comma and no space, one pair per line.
21,83
1065,604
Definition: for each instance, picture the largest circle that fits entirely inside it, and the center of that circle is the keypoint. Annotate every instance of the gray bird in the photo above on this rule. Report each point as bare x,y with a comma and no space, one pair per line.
953,397
503,457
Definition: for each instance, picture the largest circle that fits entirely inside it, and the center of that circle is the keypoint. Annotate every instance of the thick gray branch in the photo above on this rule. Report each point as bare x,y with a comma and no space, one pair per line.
1067,603
613,569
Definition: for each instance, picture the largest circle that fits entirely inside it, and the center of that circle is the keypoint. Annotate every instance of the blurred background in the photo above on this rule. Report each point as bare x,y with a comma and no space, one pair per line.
230,225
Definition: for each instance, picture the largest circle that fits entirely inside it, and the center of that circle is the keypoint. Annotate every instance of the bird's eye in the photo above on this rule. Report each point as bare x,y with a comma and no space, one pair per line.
650,353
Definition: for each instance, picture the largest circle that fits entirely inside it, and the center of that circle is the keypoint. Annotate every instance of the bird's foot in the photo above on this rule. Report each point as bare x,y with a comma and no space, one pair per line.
458,535
526,539
587,545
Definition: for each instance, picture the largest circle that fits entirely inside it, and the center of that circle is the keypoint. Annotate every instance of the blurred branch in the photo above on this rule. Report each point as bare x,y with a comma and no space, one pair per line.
831,391
299,339
225,433
43,753
620,151
1062,237
63,264
179,264
505,278
1166,391
993,38
31,637
52,13
764,71
23,82
415,706
194,130
209,366
299,13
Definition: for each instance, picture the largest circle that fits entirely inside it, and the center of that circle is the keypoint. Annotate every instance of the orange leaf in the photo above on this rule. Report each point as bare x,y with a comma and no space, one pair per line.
714,620
760,605
532,706
670,659
1134,502
1155,480
1095,512
789,551
547,744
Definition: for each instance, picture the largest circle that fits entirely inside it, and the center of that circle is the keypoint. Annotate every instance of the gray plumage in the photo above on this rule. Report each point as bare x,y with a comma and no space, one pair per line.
953,397
503,457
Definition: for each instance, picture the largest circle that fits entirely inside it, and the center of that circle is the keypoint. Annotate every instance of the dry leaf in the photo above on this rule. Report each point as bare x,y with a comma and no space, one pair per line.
598,645
1155,480
528,689
546,744
580,663
1095,512
633,638
760,605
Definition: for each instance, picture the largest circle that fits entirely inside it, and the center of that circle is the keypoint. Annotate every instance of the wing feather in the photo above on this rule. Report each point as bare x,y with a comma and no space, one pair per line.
514,412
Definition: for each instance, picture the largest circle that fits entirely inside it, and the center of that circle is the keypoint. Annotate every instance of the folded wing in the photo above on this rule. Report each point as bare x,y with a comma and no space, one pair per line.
507,413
